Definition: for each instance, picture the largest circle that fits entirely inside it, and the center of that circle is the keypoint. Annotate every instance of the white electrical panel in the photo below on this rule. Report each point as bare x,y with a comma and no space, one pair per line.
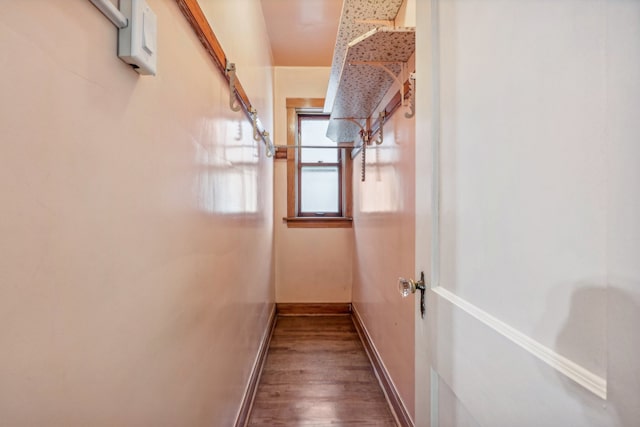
137,42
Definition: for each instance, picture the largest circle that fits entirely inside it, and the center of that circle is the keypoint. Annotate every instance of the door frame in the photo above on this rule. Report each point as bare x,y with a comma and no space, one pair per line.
427,203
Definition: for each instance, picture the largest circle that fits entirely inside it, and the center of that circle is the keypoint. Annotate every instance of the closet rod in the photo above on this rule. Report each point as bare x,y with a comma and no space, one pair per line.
314,146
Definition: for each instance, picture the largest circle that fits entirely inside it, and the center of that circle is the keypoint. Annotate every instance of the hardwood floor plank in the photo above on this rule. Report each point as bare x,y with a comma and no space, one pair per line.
318,374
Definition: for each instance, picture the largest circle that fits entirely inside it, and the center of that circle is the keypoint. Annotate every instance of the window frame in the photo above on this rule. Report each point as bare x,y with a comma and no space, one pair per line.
310,106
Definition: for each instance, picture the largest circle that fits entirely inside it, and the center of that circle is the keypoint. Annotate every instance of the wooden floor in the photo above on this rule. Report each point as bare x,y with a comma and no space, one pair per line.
317,374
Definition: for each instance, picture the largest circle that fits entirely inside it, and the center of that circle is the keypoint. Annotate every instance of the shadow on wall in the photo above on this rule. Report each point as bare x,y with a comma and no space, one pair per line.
583,335
623,370
618,341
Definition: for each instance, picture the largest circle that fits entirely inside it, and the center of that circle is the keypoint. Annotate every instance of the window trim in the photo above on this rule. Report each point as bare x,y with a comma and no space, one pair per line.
294,107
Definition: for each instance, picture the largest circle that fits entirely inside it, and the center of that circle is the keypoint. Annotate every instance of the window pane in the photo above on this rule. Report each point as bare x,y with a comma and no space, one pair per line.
313,132
319,189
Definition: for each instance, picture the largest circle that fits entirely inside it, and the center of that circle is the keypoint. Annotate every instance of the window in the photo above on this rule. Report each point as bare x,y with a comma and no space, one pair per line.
319,170
318,179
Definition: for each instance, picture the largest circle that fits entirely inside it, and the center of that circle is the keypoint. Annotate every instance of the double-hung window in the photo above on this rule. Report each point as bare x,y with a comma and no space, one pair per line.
318,170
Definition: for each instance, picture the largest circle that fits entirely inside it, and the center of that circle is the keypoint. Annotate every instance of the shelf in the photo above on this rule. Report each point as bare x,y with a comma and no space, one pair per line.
357,18
363,80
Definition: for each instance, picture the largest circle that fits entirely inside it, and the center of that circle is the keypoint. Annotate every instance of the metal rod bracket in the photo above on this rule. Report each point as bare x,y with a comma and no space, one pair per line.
231,72
412,97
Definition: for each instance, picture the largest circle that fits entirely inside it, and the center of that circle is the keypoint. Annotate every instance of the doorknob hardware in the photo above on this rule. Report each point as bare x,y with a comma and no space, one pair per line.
409,286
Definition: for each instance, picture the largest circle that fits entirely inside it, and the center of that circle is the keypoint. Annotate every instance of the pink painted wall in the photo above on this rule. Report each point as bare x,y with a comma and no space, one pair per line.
384,249
312,264
136,221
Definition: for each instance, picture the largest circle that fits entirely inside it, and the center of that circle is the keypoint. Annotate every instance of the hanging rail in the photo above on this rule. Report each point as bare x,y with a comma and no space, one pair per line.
194,14
316,146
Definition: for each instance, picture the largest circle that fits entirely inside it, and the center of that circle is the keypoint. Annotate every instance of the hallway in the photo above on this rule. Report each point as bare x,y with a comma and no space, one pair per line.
317,373
154,224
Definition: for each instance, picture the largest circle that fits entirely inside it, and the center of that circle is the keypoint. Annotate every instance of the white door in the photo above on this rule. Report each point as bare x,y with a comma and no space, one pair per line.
528,212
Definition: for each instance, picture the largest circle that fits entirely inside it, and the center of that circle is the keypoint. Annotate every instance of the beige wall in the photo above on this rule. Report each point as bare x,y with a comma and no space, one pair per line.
135,259
384,249
312,265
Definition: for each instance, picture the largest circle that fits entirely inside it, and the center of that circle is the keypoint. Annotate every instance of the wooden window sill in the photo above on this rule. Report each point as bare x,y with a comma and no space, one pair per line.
315,222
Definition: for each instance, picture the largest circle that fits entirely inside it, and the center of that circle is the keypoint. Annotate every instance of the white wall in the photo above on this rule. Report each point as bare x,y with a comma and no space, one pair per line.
539,209
311,264
129,212
523,196
623,209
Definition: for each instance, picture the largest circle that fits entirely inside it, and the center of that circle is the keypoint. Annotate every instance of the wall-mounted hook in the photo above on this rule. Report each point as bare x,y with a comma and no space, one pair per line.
412,97
365,135
254,121
231,71
381,116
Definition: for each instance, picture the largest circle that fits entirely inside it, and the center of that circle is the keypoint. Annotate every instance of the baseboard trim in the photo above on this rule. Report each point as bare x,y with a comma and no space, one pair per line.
254,379
393,397
313,309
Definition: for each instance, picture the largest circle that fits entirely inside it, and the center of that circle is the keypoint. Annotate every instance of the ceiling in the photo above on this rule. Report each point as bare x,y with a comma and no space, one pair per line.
302,33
